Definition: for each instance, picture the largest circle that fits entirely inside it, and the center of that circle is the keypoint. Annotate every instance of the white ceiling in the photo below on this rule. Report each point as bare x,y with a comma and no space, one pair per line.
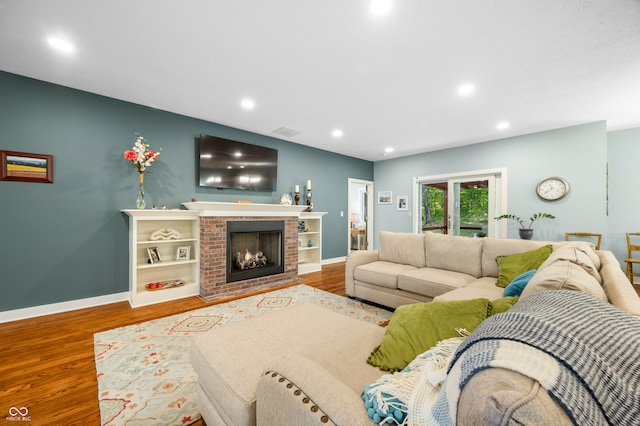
314,66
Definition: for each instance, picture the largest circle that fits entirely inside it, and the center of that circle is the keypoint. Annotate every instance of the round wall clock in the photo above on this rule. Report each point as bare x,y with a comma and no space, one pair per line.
552,188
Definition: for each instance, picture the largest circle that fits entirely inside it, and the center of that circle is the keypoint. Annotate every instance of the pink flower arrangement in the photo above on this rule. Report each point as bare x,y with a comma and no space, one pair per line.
140,155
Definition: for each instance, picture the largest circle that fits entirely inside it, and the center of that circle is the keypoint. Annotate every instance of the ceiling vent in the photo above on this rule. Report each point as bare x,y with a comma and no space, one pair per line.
287,132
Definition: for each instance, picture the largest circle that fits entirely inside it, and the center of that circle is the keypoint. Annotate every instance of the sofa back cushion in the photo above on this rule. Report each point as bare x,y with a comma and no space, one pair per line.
494,247
404,248
458,254
564,275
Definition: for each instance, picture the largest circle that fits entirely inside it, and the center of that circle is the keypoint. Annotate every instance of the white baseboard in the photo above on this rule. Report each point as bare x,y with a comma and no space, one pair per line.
334,260
56,308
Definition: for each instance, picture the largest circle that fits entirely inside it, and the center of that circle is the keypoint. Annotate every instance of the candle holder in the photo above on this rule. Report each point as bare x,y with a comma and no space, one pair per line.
297,198
309,205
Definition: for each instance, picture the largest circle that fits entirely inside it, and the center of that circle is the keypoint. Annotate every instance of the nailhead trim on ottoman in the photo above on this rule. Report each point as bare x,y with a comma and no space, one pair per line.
305,399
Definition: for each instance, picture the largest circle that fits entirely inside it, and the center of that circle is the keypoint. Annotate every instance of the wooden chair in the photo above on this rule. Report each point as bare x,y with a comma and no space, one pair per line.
632,247
582,235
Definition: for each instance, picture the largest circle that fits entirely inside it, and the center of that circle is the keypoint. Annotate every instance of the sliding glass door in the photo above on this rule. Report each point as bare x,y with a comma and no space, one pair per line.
463,204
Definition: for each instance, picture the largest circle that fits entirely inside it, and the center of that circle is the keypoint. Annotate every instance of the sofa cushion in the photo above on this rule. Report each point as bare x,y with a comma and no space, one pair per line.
458,254
383,274
564,275
494,247
498,396
404,248
481,288
582,255
432,282
518,284
513,265
415,328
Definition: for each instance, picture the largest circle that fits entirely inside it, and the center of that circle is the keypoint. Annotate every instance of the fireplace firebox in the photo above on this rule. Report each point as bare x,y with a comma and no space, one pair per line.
254,249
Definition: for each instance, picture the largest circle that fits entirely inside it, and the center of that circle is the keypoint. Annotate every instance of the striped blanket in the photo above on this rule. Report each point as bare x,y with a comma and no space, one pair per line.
584,352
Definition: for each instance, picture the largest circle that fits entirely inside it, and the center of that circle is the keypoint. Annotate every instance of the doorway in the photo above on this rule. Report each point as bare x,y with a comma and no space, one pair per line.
360,214
461,204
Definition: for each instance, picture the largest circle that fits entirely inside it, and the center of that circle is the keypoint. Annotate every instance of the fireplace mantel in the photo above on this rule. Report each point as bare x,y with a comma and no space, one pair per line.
211,208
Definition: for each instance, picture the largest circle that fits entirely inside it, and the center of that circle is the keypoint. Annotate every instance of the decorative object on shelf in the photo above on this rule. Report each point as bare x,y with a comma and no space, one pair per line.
26,167
296,191
309,204
302,227
526,232
384,197
552,188
165,234
286,200
163,285
141,157
183,253
154,255
299,243
309,243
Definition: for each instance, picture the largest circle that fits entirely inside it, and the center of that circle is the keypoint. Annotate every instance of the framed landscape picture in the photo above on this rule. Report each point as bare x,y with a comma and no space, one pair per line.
26,167
384,197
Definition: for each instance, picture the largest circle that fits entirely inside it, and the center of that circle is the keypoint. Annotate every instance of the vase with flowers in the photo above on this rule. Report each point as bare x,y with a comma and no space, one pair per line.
141,157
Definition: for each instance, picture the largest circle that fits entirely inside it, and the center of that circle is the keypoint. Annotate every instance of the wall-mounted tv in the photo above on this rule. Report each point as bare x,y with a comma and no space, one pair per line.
228,164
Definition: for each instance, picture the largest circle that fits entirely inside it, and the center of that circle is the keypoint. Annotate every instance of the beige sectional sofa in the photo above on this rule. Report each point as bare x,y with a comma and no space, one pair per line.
410,268
306,365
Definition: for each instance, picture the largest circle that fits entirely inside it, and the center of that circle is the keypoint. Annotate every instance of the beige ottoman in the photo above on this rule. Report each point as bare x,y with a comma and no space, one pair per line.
230,360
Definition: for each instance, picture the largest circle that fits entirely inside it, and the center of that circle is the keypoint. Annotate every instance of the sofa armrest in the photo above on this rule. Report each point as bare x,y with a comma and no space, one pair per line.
616,285
297,390
355,259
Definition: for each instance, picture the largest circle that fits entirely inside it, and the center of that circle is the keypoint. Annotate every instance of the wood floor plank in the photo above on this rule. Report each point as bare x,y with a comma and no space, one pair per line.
47,363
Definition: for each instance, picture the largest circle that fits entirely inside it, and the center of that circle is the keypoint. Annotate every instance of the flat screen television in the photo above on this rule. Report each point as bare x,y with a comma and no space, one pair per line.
228,164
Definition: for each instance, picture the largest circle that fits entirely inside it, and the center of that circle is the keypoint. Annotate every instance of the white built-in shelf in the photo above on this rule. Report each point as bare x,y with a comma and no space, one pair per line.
143,223
310,258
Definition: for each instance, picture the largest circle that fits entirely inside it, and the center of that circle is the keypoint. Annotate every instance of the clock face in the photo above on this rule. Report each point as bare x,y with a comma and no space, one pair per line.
552,188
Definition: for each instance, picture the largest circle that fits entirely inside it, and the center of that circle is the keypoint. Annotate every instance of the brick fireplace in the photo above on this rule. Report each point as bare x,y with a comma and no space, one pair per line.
214,260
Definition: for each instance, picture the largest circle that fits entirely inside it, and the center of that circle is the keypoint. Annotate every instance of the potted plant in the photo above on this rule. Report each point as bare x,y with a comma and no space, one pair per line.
526,232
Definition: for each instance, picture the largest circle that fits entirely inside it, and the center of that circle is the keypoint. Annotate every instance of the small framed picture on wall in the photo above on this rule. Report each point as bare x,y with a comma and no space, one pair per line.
384,197
402,203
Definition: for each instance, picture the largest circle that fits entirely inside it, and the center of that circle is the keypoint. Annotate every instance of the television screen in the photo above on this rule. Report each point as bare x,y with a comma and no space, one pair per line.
228,164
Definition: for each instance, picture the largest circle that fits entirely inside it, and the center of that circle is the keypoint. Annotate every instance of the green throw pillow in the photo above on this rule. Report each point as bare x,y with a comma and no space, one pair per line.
418,327
502,304
513,265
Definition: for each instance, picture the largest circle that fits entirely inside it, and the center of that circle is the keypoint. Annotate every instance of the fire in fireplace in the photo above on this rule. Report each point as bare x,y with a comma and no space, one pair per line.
254,249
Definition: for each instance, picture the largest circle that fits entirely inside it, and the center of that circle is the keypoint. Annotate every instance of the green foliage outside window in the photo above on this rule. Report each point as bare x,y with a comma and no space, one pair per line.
474,207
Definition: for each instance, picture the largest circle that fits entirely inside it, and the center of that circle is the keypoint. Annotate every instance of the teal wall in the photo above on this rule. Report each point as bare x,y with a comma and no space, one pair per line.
578,154
624,191
68,240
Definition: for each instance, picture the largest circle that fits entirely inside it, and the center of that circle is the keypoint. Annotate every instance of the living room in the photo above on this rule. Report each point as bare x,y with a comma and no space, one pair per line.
66,243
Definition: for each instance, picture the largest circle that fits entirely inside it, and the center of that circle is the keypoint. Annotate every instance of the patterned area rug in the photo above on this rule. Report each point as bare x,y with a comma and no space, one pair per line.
144,373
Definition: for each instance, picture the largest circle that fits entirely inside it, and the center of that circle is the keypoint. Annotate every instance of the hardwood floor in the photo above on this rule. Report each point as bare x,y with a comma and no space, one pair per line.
47,363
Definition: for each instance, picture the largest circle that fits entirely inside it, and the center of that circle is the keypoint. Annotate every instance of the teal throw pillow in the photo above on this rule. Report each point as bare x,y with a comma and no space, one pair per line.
418,327
513,265
518,284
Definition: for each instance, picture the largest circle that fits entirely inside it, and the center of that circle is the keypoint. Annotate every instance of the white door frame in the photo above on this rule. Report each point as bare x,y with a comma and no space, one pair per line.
369,185
500,176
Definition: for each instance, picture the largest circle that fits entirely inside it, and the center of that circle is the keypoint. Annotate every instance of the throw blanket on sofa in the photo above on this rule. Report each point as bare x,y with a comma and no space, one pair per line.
583,351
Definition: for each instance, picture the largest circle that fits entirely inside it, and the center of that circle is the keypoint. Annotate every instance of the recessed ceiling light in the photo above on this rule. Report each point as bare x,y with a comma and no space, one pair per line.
388,150
466,89
380,7
61,44
248,104
337,133
503,125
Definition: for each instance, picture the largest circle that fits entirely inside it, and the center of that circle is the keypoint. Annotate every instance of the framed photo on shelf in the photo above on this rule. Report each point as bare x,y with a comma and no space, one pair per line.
26,167
183,253
154,255
403,203
384,197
